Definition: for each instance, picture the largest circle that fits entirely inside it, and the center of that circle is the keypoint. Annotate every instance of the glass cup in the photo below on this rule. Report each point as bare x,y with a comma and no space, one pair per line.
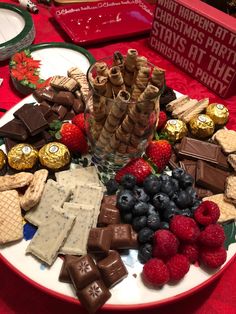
118,127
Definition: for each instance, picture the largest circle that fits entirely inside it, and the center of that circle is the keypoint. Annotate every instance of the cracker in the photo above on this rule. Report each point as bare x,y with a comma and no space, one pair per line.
50,236
76,242
53,194
34,191
232,160
11,226
230,188
227,209
15,181
227,140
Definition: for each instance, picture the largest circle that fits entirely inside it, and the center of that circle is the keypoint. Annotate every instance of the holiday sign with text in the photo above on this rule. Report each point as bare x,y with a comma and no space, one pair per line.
197,44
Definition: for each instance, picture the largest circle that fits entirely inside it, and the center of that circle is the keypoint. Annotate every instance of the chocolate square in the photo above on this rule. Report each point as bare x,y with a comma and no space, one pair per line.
21,109
78,105
109,214
60,110
109,199
82,272
121,236
112,269
15,130
9,143
64,275
99,240
93,296
64,98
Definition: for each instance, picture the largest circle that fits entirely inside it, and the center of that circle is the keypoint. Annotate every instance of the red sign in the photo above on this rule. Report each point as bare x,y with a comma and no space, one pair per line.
198,38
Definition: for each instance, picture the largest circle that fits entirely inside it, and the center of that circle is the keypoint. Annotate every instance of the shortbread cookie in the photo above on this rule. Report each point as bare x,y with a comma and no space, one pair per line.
11,225
227,140
34,191
227,209
50,236
232,160
230,188
53,194
15,181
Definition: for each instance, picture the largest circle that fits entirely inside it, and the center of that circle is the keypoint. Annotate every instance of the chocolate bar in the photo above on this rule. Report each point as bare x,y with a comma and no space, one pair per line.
109,214
15,130
60,110
78,105
99,240
189,166
64,98
173,162
70,115
121,236
109,199
21,109
33,120
210,177
64,275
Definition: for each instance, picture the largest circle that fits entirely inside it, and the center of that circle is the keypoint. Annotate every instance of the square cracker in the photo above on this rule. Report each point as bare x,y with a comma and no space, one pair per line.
227,140
230,188
227,209
232,160
11,223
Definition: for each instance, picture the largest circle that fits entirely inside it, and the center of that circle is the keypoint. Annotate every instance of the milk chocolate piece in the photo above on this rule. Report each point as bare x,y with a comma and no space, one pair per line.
46,109
60,110
48,94
64,275
134,239
78,105
201,193
99,240
121,236
109,214
189,166
15,130
109,199
70,115
173,162
33,120
64,98
210,177
112,269
93,296
82,272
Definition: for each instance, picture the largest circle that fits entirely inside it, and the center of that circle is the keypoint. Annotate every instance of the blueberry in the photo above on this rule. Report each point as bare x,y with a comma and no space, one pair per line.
112,186
125,200
160,201
153,221
164,177
177,173
195,205
169,213
186,212
145,252
175,184
186,180
164,225
140,194
151,184
151,209
167,188
127,217
145,235
183,200
171,205
139,223
140,209
128,181
191,191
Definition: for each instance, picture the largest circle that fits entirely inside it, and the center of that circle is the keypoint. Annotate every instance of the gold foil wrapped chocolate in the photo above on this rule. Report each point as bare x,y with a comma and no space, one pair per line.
54,156
175,129
218,113
3,159
22,157
202,126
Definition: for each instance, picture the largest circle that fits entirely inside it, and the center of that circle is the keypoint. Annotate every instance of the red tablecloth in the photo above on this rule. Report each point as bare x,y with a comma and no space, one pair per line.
18,296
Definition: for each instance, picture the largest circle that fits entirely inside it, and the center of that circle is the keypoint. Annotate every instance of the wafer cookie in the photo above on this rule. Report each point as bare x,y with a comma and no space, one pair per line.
196,109
15,181
64,83
76,74
230,188
34,191
11,226
171,106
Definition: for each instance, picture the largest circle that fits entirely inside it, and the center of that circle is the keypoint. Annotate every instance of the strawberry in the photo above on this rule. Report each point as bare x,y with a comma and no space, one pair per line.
162,120
159,153
138,167
79,121
70,135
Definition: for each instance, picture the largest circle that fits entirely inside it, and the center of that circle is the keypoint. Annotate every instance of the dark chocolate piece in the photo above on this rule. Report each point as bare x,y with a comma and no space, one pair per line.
109,214
64,98
64,275
33,120
82,272
121,236
70,115
46,94
60,110
52,117
173,162
210,177
78,105
21,109
9,143
93,296
15,130
112,269
99,240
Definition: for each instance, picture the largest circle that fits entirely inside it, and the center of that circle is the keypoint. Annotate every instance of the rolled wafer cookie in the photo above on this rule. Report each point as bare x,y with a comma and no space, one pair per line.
232,160
158,77
81,79
130,67
141,82
64,83
116,80
148,100
196,109
118,60
102,68
171,106
99,108
141,61
34,191
100,84
15,181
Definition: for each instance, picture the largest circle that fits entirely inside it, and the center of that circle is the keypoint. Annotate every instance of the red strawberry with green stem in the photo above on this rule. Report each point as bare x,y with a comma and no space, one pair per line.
162,120
79,121
159,153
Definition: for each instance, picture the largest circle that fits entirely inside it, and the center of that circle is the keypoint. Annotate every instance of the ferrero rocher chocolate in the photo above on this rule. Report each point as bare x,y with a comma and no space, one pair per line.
22,157
3,159
175,129
202,126
218,113
54,156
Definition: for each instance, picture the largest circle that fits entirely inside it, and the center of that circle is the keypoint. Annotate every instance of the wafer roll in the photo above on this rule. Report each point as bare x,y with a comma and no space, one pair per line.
158,77
118,60
116,80
141,82
141,61
100,84
102,68
99,108
130,67
148,100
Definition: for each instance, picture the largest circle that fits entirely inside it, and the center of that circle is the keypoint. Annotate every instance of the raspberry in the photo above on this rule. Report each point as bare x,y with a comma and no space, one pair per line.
190,250
213,257
165,244
207,213
212,236
184,228
178,266
155,272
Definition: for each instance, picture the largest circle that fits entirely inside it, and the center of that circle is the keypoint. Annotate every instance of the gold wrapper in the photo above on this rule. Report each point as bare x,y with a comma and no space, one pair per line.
22,157
3,159
175,129
202,126
218,113
54,156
